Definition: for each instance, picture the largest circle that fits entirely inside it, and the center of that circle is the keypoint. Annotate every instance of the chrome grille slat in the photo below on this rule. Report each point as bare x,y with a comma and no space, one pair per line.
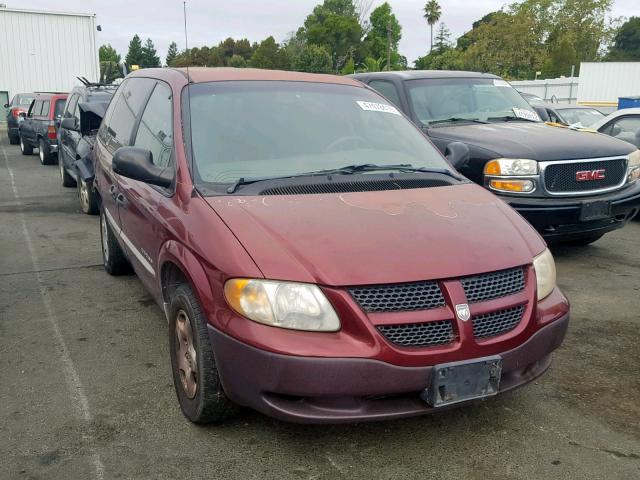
401,297
497,323
419,334
489,286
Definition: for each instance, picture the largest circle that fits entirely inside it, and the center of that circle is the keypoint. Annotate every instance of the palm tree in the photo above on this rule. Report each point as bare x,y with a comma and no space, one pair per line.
432,13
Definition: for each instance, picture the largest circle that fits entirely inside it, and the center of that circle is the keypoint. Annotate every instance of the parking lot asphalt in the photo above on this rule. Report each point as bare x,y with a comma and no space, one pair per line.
86,391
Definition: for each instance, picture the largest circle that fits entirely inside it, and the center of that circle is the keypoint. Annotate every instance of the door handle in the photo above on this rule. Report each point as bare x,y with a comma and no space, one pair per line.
113,191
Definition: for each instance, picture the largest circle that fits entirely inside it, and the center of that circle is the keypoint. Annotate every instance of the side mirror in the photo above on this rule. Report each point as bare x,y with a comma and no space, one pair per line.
137,164
6,105
69,123
542,113
458,154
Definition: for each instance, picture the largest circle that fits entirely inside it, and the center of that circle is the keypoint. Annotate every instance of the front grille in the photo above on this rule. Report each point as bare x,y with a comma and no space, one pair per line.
561,177
354,186
419,334
488,286
497,323
401,297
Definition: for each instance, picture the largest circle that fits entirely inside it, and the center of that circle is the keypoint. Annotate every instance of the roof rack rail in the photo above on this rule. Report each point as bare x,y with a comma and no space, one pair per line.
89,83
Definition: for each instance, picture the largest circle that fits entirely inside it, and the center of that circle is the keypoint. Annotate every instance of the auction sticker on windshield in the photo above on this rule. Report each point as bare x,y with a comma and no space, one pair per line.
378,107
501,83
526,114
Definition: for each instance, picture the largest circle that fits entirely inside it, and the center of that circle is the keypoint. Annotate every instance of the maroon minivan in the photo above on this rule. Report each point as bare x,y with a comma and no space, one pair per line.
317,258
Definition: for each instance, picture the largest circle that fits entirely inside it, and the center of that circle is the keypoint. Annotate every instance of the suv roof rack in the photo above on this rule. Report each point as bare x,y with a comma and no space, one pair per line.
87,83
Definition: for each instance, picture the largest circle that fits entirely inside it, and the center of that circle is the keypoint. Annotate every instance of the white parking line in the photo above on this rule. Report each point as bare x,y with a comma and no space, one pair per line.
76,390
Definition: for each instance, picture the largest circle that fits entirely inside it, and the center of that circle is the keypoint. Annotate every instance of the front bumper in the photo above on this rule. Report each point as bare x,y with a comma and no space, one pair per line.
558,219
340,390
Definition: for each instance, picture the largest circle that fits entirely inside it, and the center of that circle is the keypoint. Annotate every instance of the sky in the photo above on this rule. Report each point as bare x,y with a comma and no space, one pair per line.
210,21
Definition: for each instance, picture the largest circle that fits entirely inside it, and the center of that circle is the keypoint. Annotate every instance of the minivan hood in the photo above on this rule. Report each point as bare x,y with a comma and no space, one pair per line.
379,237
536,141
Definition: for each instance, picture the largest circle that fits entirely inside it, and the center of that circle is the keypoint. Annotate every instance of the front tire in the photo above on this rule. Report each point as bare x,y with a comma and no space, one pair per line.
195,376
25,148
44,152
88,199
67,180
114,260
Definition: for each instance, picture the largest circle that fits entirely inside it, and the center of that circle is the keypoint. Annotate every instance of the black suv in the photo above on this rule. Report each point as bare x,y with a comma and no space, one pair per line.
19,104
80,122
572,186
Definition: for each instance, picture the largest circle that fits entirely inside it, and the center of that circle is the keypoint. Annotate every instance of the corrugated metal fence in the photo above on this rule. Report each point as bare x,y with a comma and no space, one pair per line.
557,90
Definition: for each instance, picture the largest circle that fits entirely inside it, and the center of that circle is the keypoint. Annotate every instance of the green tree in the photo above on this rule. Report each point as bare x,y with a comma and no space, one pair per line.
172,53
198,57
314,59
432,13
237,61
334,25
106,53
450,59
443,39
134,55
370,64
626,43
269,55
150,58
384,26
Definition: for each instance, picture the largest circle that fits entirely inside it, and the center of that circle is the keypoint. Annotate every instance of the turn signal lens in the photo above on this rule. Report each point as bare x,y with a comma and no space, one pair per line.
520,186
297,306
511,167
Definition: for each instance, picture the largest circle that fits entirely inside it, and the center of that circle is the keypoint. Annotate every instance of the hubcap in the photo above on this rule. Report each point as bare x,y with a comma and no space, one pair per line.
41,151
105,242
84,195
186,355
21,144
61,169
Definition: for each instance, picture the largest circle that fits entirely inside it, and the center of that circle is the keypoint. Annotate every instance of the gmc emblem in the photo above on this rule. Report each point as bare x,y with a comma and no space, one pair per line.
589,175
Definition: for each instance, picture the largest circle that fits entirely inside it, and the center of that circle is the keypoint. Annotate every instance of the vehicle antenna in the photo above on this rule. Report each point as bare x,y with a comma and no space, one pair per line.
186,47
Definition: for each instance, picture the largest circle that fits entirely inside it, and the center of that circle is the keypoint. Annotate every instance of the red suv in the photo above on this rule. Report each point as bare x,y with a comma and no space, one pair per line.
316,257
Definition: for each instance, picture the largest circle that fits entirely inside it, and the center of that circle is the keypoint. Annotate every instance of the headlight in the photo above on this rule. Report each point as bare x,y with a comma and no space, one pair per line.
634,166
545,269
297,306
515,167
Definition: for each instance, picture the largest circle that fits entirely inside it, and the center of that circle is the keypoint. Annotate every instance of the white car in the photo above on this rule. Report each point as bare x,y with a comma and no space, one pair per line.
623,124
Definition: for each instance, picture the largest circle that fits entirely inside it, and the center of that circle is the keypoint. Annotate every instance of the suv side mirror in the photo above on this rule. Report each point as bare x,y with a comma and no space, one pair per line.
458,154
69,123
6,105
137,163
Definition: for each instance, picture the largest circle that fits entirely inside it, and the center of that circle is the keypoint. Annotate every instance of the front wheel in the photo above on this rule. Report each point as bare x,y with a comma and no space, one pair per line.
44,152
87,196
25,148
114,260
193,364
67,180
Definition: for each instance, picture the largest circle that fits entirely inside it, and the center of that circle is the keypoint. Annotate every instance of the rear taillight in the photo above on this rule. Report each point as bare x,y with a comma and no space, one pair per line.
51,132
15,112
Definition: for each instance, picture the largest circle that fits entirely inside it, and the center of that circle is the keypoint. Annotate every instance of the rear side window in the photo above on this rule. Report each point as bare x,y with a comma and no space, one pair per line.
121,119
71,105
387,89
44,111
155,132
59,108
35,108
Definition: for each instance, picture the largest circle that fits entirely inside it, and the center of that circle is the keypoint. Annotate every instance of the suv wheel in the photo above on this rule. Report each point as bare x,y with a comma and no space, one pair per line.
24,148
113,258
195,375
43,152
67,180
88,200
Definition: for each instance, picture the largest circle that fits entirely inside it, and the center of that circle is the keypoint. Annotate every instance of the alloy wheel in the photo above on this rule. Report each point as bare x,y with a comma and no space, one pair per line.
186,356
41,152
105,238
84,195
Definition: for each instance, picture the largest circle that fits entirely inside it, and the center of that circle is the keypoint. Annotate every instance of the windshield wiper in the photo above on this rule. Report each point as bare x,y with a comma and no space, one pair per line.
454,120
346,170
508,118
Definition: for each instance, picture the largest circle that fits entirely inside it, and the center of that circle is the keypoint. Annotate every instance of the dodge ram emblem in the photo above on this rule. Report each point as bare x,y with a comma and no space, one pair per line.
463,312
589,175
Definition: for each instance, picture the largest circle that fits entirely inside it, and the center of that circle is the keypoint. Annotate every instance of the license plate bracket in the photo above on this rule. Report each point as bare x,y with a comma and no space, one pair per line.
597,210
457,382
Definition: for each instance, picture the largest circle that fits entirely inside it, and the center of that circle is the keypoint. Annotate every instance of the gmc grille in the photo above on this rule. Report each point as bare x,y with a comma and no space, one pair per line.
561,177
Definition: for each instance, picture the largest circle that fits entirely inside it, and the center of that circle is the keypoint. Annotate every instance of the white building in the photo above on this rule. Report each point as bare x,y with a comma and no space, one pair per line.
602,83
45,51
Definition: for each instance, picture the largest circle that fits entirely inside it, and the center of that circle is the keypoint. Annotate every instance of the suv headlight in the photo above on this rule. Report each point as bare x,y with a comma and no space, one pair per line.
296,306
498,172
545,269
634,167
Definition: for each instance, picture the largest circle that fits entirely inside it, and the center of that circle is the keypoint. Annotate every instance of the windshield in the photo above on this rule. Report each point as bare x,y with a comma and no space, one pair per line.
583,117
273,128
23,100
484,99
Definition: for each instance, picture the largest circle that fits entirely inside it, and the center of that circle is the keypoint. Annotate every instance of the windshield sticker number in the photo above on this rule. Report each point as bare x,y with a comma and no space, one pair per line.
526,114
378,107
501,83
